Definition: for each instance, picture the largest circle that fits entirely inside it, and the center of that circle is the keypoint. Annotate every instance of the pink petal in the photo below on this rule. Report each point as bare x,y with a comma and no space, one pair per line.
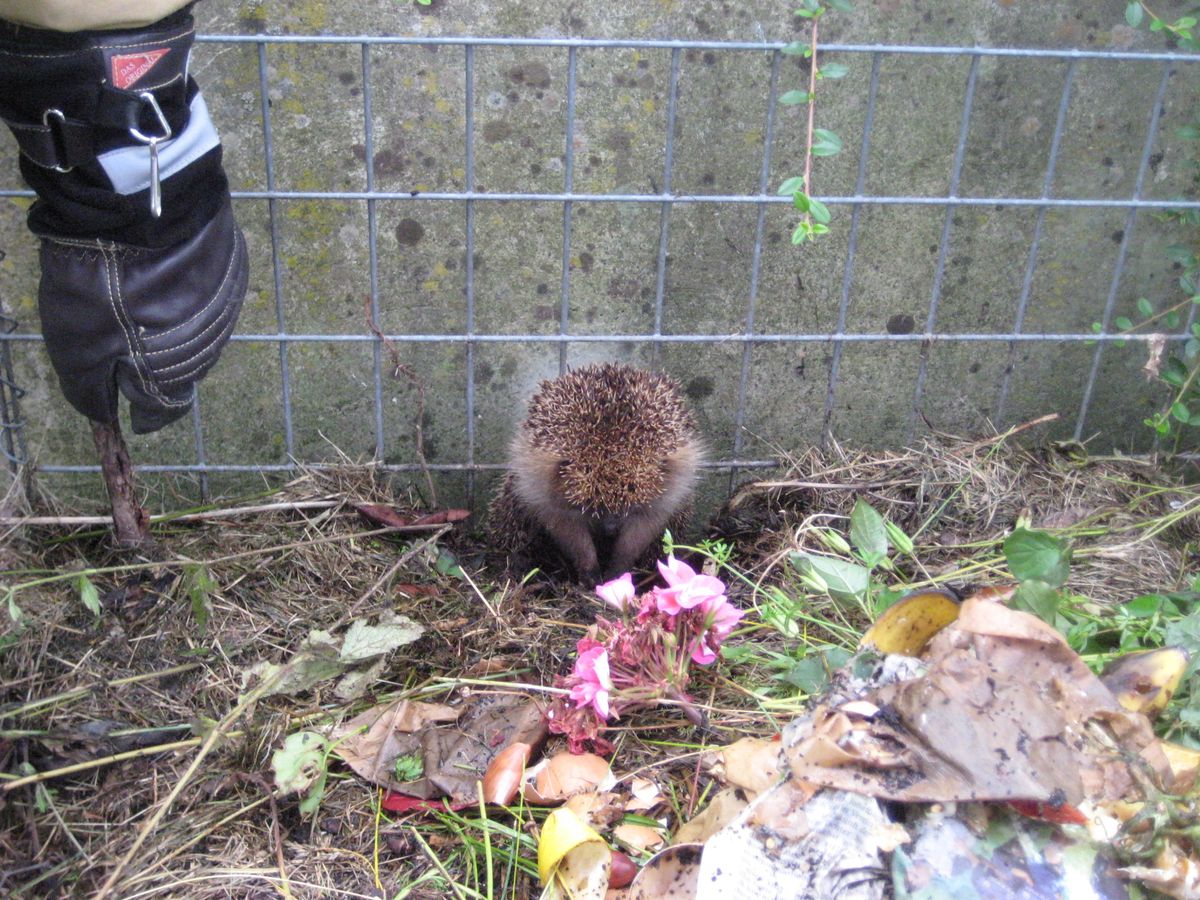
703,654
619,592
675,572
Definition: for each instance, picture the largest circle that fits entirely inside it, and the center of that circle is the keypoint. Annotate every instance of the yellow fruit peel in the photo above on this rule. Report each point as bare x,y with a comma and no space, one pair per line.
906,626
573,859
1145,681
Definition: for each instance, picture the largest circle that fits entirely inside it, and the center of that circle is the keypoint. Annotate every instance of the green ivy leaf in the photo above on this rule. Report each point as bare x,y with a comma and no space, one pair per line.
1133,14
1038,598
793,98
1144,307
818,228
802,233
801,201
820,212
1143,607
1171,319
791,185
833,70
868,533
1180,411
1123,323
1037,556
1181,253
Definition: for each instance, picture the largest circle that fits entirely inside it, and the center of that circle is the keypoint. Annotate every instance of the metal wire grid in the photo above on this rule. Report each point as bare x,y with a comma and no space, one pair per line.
12,443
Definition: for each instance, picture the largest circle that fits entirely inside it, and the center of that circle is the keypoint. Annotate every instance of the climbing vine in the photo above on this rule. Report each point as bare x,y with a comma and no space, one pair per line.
818,141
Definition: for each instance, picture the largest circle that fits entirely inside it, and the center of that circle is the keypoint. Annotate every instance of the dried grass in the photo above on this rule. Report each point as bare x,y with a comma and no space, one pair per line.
283,572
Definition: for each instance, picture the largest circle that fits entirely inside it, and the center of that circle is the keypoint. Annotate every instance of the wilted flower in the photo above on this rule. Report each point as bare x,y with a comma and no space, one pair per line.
594,680
644,657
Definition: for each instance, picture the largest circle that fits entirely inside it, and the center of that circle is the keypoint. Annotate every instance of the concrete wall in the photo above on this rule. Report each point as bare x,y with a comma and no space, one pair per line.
520,115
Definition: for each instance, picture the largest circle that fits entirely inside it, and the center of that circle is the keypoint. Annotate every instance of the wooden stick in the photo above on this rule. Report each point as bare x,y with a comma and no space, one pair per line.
131,522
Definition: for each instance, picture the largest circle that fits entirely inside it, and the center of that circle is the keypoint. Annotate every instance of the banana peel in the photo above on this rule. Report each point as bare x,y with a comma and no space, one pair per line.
906,626
1185,767
1146,680
573,859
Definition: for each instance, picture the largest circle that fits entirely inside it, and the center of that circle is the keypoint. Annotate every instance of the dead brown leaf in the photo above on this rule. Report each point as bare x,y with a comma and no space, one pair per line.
751,763
1006,711
721,810
455,744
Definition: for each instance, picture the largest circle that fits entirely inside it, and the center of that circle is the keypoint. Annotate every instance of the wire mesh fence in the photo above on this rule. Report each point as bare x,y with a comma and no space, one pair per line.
752,326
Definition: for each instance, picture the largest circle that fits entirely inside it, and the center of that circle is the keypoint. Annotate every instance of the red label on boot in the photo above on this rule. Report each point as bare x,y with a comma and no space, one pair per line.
127,70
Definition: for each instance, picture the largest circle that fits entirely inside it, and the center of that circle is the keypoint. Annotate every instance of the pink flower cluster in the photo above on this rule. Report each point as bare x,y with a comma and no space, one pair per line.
644,657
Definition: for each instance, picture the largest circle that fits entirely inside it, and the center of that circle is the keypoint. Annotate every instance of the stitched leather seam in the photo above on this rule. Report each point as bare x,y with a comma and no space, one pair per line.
218,323
109,270
204,365
215,297
84,50
139,361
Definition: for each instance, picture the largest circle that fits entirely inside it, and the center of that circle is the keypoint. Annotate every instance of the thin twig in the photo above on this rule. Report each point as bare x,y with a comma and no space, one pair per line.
277,838
76,693
812,110
17,521
131,524
405,371
50,774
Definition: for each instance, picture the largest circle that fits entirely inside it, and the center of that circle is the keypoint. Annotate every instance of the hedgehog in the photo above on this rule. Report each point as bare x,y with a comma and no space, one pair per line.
606,458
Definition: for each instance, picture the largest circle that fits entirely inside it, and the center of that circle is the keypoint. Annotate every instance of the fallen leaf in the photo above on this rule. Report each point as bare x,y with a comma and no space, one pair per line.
456,745
299,762
751,763
363,641
1155,347
372,753
726,806
300,768
1002,713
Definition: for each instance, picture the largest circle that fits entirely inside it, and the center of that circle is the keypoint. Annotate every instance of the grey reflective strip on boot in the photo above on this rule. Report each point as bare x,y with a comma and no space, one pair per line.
128,168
